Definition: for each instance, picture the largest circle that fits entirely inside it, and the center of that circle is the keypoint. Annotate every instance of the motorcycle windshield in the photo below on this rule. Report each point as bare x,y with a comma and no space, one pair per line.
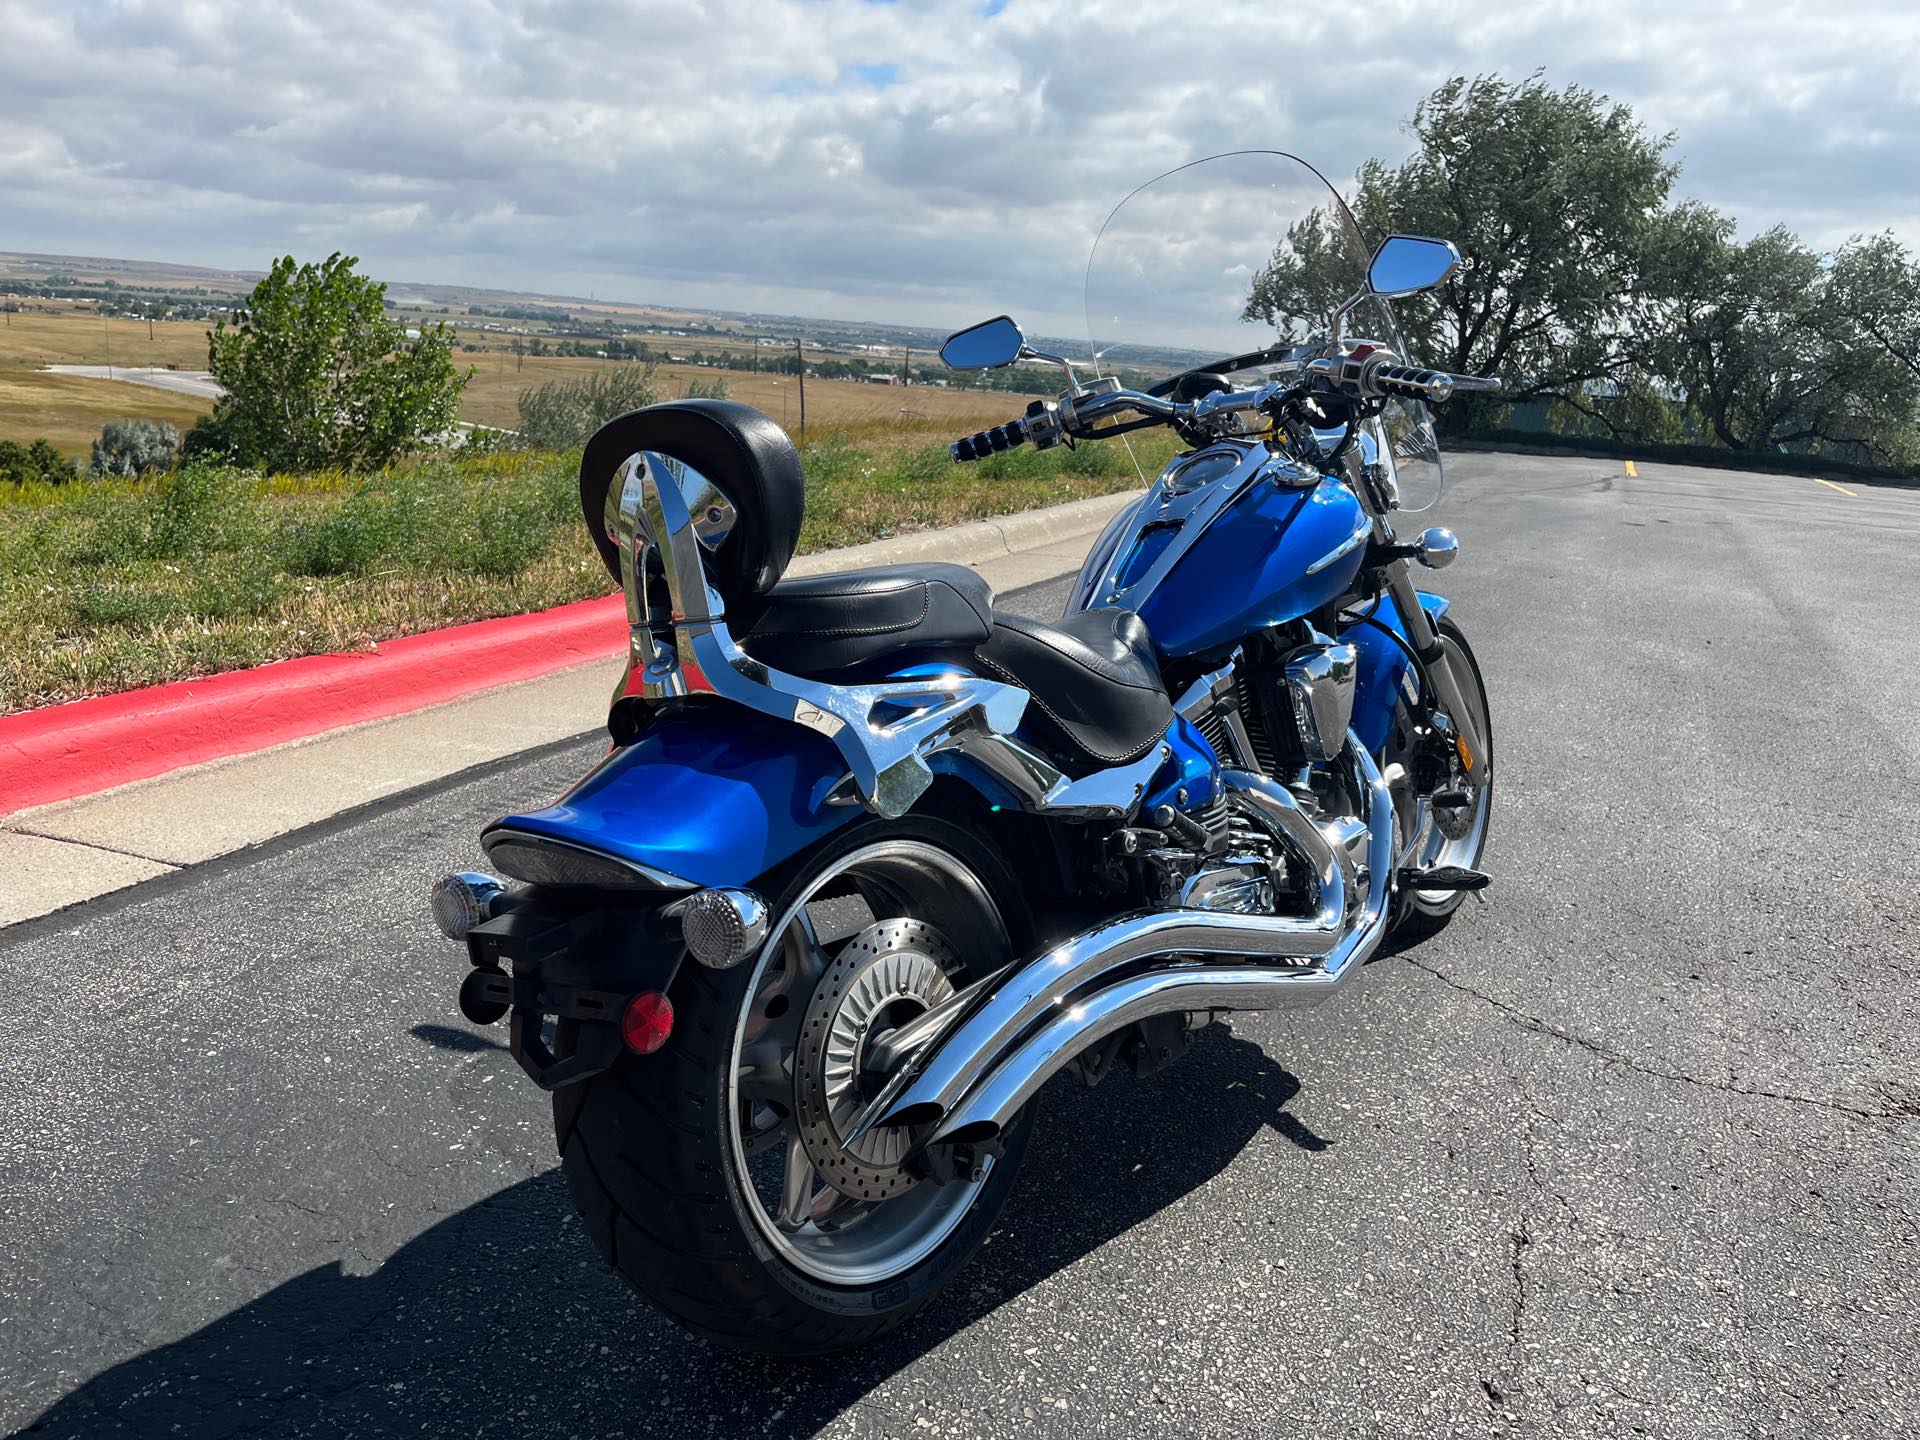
1236,254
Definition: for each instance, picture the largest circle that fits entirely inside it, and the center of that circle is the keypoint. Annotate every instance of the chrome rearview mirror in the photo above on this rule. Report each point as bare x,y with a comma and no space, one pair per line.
986,346
1407,264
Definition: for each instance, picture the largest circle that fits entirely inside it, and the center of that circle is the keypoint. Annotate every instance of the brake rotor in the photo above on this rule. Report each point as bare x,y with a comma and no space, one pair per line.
884,976
1454,821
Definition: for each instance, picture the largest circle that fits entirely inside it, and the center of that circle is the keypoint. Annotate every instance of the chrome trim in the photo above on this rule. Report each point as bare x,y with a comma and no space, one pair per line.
1208,690
1321,680
1112,791
1345,547
976,1055
1218,691
1013,1075
660,879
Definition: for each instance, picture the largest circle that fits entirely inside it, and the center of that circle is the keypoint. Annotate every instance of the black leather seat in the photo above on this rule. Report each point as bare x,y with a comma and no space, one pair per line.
1092,676
824,623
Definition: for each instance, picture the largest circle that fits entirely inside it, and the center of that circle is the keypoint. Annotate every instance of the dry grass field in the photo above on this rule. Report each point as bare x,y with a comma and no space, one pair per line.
493,396
70,410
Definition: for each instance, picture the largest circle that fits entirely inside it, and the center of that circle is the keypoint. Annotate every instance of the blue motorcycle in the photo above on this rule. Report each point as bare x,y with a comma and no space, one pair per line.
870,861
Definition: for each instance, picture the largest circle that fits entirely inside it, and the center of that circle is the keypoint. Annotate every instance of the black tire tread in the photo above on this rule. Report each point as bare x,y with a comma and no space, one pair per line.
681,1245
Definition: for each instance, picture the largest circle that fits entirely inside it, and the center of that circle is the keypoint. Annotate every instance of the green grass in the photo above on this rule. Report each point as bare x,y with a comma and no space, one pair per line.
111,585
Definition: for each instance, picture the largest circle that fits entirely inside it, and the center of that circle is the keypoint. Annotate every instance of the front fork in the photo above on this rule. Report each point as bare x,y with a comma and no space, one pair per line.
1451,688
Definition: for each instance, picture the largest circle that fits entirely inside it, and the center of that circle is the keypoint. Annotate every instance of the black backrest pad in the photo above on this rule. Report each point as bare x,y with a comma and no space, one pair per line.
741,451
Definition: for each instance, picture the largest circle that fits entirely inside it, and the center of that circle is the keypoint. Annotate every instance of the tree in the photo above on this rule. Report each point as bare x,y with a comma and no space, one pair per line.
132,447
1555,199
1757,339
39,461
316,375
1875,289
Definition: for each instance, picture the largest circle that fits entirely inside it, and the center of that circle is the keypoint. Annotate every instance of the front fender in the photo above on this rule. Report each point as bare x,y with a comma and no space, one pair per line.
1383,664
714,794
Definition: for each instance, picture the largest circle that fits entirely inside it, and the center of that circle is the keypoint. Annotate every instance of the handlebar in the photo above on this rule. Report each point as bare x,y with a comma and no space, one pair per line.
1367,372
1374,374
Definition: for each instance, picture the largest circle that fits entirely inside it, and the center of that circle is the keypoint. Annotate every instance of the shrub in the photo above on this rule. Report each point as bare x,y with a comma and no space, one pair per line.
132,447
714,389
343,540
211,437
199,510
485,440
26,464
563,414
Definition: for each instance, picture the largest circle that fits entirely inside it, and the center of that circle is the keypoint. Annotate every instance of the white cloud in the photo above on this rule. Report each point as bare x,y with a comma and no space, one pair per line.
915,161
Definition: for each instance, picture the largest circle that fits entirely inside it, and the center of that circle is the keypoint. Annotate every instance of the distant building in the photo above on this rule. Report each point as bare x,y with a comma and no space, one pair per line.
877,377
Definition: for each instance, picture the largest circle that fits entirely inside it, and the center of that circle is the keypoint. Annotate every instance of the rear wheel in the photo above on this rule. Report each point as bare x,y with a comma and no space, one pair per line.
1456,836
714,1174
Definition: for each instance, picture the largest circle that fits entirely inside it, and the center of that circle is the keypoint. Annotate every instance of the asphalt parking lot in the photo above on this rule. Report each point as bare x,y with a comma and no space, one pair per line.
1629,1149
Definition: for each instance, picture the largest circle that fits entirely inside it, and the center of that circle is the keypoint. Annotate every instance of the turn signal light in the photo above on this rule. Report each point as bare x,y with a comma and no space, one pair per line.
647,1022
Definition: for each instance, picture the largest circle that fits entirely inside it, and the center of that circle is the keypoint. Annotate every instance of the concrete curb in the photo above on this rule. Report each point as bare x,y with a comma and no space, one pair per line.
66,751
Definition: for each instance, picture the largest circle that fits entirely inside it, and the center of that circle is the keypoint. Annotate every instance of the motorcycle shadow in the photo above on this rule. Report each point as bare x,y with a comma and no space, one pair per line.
500,1319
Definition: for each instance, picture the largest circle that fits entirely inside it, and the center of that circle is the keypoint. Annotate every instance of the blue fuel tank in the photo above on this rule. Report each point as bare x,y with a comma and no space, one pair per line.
1272,555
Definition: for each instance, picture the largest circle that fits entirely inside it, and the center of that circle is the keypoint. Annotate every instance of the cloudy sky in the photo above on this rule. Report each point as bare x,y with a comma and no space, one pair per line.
914,161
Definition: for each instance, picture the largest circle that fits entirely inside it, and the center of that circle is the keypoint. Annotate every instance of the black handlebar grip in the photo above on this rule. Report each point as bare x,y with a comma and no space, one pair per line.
1410,381
989,442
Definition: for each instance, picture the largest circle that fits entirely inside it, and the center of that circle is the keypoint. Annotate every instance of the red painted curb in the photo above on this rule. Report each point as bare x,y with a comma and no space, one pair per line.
76,749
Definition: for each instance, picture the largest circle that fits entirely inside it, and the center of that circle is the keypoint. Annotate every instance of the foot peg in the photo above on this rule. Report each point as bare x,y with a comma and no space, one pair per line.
1445,877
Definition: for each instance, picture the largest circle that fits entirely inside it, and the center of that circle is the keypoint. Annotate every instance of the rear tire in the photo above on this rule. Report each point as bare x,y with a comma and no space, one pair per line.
653,1160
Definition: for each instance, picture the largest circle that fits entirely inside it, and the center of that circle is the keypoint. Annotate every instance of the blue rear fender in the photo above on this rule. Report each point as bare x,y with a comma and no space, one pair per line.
1383,665
715,794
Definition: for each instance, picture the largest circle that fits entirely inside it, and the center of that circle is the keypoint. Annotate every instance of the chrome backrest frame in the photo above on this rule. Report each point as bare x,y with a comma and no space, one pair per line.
886,731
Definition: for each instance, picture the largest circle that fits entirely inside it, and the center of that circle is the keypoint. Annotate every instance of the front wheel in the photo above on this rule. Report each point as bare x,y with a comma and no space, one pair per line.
1456,836
714,1175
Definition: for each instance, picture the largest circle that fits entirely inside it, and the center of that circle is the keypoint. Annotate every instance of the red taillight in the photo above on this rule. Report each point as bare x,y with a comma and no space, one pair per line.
647,1022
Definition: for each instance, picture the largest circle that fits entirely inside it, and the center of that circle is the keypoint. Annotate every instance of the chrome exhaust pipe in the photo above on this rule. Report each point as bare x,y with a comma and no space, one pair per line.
969,1081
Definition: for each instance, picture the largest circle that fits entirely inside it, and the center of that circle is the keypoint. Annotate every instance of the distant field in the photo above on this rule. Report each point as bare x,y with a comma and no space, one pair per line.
492,398
70,410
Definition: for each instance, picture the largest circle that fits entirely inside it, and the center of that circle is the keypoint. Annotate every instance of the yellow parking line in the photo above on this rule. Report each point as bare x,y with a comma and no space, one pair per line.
1830,485
1632,473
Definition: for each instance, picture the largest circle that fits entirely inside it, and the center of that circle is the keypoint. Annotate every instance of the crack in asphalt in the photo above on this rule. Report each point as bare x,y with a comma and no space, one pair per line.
1524,1020
1521,1236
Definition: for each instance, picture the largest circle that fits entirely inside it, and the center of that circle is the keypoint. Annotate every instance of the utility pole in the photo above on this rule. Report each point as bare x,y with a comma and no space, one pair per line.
800,362
106,329
906,365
